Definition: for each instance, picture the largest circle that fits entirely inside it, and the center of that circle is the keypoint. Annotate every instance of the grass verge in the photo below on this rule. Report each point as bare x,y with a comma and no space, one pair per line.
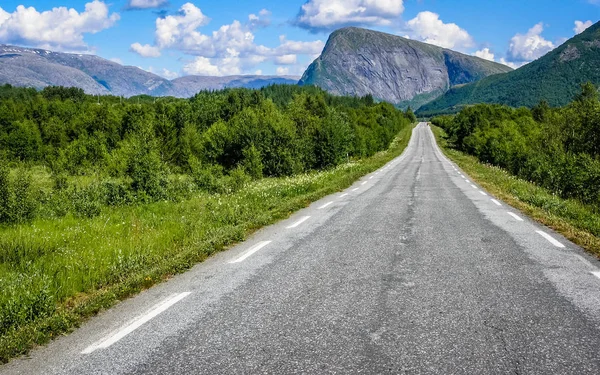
578,222
55,273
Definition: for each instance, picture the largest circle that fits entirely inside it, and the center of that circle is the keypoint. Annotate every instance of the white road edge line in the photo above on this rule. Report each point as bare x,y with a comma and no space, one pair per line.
297,223
496,202
325,205
596,273
136,323
550,239
355,189
515,216
370,178
473,186
252,250
482,193
344,195
364,183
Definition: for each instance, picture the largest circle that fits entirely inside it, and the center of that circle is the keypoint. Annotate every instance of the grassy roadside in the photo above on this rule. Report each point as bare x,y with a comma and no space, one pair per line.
56,273
578,222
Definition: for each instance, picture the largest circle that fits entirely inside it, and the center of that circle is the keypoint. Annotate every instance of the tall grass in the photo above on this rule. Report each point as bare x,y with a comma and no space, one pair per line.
55,272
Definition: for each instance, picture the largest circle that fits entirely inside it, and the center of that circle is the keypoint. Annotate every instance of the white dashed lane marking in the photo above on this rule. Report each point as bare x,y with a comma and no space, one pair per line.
550,239
515,216
297,223
136,323
325,205
252,250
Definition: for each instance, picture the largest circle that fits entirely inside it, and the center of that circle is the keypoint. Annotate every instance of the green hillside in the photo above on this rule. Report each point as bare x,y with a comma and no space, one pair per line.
554,78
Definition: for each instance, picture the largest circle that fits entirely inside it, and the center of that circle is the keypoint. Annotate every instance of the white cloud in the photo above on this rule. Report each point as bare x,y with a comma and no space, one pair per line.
281,71
169,74
145,50
228,50
286,59
59,28
485,54
117,60
180,30
331,14
258,72
145,4
287,47
581,26
530,46
514,65
204,67
263,19
428,27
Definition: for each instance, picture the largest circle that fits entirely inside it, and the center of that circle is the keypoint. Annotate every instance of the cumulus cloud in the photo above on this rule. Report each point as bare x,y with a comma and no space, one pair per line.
428,27
485,54
169,74
145,50
145,4
287,47
581,26
180,30
530,46
263,19
322,15
286,59
59,28
228,50
281,71
205,67
511,64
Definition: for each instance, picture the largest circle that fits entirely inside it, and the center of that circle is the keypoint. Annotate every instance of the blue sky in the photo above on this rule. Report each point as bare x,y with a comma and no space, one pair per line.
174,38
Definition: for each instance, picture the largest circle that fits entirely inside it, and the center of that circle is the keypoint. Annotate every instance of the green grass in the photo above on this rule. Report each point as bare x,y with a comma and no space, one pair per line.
578,222
55,273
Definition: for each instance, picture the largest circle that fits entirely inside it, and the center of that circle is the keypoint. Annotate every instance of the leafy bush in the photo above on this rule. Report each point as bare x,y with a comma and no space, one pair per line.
557,148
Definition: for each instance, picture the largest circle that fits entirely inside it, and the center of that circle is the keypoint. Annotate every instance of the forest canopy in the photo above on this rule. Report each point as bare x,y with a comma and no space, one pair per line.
109,150
556,148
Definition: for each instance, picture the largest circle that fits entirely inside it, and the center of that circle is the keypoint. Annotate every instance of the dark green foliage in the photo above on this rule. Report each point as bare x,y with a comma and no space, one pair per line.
127,150
17,204
4,193
144,166
558,149
252,162
554,78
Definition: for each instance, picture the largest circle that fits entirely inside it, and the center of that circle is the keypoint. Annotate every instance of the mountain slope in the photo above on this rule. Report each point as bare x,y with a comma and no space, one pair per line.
190,85
39,68
555,78
402,71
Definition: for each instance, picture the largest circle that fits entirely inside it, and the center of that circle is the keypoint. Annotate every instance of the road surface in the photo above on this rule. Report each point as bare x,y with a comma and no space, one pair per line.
414,269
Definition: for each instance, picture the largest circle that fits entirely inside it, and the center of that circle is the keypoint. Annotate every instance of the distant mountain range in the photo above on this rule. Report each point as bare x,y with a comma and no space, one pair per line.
555,78
39,68
354,62
405,72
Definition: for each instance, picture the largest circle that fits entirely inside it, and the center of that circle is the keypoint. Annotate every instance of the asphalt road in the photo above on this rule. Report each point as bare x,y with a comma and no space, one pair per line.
414,269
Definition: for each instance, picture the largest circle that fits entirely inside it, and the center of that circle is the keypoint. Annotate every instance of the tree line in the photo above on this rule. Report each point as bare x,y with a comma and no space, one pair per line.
556,148
131,149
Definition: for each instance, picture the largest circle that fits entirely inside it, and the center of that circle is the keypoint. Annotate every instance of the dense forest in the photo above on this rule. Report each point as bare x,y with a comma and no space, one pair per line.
556,148
107,151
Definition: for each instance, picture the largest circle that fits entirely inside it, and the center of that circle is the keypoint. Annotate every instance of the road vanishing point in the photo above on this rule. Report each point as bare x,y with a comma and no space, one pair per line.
414,269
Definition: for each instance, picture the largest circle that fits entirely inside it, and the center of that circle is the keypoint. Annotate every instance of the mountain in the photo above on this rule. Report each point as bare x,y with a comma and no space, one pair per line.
189,85
30,67
391,68
555,77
